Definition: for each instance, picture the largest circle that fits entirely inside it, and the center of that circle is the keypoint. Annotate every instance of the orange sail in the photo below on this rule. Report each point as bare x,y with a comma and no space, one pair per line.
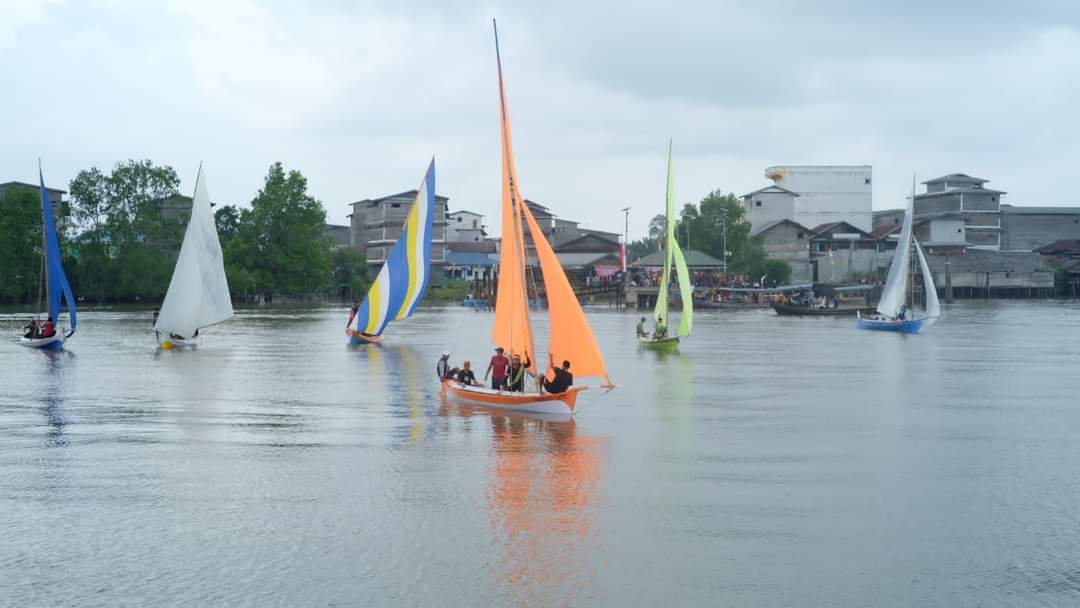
571,336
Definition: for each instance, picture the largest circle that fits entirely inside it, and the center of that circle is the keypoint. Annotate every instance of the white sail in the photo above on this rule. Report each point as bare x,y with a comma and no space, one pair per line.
933,306
896,283
198,293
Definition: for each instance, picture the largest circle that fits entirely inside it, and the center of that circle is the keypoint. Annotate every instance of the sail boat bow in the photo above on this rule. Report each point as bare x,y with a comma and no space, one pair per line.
570,337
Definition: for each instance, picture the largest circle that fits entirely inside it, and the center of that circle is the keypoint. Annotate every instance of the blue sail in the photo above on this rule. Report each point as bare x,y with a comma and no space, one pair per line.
55,278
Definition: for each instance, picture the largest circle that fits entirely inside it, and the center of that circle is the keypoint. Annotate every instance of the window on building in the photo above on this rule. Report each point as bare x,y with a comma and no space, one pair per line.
474,223
459,219
395,205
757,203
867,180
799,235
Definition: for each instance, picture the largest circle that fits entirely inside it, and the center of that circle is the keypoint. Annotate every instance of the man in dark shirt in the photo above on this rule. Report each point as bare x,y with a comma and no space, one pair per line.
466,376
498,369
560,381
442,368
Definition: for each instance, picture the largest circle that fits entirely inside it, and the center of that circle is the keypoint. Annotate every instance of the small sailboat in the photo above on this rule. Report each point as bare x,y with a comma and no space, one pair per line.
198,294
672,254
54,281
400,285
894,309
570,336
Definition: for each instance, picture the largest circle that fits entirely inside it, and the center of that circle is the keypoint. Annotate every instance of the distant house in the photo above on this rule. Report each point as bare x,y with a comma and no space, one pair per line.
339,236
787,240
375,224
988,273
840,252
1066,255
768,206
465,226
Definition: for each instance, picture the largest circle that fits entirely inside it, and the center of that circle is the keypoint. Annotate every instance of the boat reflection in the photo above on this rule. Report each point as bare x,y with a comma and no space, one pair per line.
52,398
542,500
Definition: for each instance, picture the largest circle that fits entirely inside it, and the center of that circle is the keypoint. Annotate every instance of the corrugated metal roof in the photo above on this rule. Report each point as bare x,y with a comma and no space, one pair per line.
985,260
693,258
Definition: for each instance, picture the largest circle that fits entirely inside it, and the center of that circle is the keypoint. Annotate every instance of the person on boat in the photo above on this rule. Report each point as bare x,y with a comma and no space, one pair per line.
157,313
498,369
660,329
561,378
48,330
355,308
466,376
517,373
641,328
442,368
901,316
32,330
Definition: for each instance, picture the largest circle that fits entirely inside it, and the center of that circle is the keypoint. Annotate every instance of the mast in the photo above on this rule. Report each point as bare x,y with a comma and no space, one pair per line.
44,249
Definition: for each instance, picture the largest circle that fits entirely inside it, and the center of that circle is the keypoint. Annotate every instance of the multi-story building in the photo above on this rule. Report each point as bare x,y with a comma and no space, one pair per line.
826,194
962,213
769,205
56,197
376,224
787,240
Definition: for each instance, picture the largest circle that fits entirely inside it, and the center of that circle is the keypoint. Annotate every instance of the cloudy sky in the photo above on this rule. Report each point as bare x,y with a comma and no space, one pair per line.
358,96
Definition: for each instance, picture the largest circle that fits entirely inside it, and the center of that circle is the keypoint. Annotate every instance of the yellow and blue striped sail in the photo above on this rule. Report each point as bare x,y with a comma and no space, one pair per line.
399,288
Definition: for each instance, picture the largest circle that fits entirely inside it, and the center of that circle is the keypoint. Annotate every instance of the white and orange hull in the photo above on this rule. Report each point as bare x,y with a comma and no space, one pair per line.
531,403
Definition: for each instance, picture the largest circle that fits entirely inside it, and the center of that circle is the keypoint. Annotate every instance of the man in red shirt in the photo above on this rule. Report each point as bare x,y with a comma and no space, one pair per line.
497,369
48,330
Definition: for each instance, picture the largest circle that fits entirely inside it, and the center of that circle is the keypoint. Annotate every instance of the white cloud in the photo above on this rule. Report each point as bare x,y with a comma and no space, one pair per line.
17,14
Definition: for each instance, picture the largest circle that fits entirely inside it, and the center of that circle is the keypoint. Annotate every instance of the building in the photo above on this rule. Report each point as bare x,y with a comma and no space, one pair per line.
465,226
985,273
769,205
375,224
963,213
1065,255
788,240
827,193
1029,228
339,236
840,253
56,197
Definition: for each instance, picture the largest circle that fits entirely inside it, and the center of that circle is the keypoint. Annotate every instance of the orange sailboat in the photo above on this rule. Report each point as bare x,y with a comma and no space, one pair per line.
571,338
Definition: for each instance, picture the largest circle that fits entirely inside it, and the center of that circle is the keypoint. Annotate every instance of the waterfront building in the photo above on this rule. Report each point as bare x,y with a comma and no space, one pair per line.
962,212
465,226
840,252
339,236
787,240
375,224
1029,228
825,193
769,205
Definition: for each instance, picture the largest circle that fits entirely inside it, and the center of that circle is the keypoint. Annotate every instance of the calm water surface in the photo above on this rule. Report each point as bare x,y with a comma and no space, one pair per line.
773,462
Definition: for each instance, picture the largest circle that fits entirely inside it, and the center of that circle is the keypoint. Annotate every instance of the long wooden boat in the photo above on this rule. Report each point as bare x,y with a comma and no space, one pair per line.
357,338
791,310
531,403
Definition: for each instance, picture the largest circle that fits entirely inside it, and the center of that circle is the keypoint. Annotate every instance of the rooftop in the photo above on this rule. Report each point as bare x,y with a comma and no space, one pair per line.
770,225
984,260
773,188
408,194
1062,246
963,190
956,178
1040,210
693,259
17,184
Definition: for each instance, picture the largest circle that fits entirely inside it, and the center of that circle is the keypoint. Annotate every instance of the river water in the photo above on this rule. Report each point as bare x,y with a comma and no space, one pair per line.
772,462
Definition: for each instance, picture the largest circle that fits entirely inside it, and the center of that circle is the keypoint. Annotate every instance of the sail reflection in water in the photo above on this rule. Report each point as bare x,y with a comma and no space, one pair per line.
541,506
412,396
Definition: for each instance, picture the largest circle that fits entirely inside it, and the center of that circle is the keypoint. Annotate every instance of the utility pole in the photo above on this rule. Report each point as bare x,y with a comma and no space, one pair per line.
626,236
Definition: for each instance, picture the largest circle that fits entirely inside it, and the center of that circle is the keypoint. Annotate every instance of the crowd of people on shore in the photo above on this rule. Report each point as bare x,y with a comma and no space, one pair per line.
508,374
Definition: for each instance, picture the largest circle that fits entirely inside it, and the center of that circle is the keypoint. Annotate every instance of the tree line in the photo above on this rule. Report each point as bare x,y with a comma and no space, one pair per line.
121,233
716,223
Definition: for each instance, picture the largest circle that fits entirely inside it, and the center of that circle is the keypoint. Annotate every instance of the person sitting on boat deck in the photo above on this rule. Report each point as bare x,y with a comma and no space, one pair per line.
660,329
641,328
466,376
497,369
442,368
516,381
903,311
32,330
48,330
561,378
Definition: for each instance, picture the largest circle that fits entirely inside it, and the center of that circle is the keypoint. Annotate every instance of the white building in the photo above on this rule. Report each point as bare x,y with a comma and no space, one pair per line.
465,227
826,193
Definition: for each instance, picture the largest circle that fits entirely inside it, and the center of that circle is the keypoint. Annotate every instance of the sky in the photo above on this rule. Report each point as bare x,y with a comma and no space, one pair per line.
359,96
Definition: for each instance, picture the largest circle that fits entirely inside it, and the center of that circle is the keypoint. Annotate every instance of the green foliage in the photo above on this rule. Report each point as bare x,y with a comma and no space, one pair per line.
777,272
280,242
20,245
127,247
451,290
350,267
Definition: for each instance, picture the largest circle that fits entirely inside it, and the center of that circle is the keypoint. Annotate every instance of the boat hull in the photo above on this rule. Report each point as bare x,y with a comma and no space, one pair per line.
530,403
172,342
665,344
786,310
901,327
356,338
55,342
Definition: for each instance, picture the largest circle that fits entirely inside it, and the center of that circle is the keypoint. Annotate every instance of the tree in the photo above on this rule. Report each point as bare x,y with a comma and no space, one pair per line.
280,243
20,245
350,268
227,219
719,222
